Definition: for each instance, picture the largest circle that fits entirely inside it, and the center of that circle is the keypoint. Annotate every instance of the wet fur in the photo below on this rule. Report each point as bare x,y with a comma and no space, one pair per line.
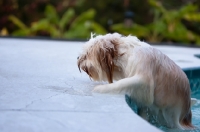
149,77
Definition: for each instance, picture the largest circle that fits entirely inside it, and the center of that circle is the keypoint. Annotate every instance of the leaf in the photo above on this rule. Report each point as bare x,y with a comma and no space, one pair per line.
45,25
68,15
158,26
17,22
42,24
179,14
157,6
21,32
138,30
192,17
189,8
80,31
83,30
198,41
179,33
81,26
97,28
51,14
88,15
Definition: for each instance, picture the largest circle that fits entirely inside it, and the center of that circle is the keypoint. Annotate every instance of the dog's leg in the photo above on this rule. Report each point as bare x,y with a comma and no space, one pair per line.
143,112
122,86
137,87
171,116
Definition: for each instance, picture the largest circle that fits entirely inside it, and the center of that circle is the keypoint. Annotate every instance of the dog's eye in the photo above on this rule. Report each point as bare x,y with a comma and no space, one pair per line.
77,57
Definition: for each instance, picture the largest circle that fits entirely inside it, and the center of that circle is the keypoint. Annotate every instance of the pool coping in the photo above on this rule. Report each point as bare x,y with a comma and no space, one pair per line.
191,72
43,90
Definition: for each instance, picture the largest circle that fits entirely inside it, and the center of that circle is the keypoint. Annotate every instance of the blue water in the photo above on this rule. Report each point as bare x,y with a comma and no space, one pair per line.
196,110
195,114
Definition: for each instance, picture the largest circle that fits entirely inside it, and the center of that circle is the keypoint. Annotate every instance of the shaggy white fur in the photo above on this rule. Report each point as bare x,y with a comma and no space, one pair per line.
156,84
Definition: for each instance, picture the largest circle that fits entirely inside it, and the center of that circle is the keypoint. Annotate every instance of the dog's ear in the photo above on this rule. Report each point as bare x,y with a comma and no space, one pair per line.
79,61
106,54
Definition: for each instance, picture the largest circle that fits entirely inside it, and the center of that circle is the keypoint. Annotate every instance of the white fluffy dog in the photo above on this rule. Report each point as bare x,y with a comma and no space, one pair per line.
155,83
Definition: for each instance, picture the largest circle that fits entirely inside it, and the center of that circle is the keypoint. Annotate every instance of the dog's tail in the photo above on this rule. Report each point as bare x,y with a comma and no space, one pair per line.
187,121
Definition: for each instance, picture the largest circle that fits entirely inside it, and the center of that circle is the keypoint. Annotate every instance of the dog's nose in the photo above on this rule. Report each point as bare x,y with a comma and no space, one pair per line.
77,57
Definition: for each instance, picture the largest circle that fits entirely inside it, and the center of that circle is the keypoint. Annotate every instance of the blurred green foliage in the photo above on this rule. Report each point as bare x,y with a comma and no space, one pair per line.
153,21
78,27
167,25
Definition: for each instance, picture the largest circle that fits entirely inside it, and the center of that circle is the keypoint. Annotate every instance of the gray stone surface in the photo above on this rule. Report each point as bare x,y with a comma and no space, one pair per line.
42,90
183,56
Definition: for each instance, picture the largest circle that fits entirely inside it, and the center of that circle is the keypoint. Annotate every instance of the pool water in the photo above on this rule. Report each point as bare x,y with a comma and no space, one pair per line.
193,75
195,114
194,78
196,110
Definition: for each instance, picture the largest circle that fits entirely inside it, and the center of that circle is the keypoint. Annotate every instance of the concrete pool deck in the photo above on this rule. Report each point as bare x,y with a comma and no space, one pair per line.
42,90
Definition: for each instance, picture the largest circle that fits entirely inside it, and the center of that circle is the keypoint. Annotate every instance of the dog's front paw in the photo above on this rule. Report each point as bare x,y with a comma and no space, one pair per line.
98,89
101,89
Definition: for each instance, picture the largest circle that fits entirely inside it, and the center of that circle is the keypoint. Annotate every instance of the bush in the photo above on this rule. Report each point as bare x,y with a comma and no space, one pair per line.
156,21
167,25
68,26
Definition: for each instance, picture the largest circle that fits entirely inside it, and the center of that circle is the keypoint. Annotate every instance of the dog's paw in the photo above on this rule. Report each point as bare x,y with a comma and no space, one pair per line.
98,89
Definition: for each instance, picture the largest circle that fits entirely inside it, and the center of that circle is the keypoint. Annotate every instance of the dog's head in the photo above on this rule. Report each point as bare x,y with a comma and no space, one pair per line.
98,56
